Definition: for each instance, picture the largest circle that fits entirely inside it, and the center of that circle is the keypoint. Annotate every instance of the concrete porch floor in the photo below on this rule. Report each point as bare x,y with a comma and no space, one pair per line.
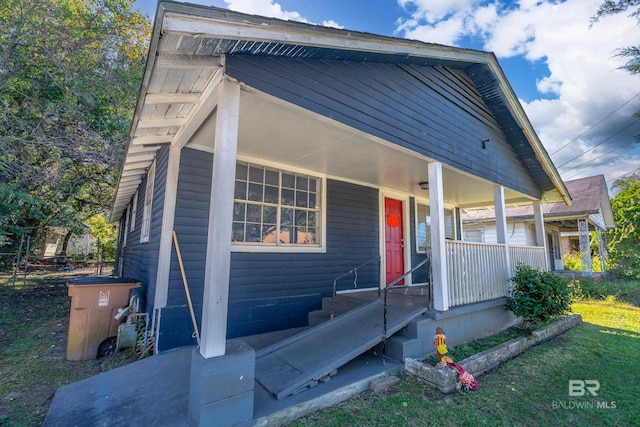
155,391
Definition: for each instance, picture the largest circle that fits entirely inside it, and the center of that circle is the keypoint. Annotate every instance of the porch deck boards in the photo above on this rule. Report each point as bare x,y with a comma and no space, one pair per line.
304,359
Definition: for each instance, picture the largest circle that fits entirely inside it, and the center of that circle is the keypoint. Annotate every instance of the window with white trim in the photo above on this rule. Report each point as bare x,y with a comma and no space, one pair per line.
274,207
474,235
148,201
134,210
126,227
423,226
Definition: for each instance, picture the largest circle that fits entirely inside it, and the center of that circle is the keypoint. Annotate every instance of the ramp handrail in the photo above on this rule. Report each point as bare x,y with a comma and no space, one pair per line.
393,283
335,281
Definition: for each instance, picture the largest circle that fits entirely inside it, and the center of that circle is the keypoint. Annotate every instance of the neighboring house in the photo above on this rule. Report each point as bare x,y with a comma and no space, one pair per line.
568,228
285,154
78,244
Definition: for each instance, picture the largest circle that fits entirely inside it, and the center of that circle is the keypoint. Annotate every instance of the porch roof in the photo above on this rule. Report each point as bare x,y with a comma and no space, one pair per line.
185,66
589,198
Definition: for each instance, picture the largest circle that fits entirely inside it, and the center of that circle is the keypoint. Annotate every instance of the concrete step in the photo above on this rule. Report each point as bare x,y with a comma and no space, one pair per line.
399,347
317,317
422,327
346,302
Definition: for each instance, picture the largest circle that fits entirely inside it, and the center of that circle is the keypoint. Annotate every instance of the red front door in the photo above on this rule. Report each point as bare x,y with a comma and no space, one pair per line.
394,242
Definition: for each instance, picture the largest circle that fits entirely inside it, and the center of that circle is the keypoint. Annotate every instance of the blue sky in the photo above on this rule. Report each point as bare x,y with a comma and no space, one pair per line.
564,72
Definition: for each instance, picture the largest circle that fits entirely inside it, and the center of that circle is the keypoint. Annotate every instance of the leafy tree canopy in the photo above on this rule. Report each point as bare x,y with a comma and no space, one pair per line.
624,240
70,71
613,7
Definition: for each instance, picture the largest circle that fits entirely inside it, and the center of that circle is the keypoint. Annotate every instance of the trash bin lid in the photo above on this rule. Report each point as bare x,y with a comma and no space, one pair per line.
101,280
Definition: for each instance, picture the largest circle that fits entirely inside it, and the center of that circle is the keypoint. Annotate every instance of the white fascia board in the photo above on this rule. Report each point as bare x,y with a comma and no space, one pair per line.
192,20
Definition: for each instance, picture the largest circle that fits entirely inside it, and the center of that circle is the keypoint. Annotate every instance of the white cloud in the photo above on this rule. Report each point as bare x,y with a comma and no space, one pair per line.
584,77
264,8
272,9
331,23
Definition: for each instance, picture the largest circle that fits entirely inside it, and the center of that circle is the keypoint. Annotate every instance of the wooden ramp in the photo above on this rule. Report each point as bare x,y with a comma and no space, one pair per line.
299,362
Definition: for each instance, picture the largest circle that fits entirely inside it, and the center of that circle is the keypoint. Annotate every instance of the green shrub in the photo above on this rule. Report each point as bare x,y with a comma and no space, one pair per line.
538,295
573,262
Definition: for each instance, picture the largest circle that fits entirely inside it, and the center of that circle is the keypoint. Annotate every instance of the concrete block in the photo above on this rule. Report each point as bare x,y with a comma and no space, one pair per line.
221,388
382,384
400,347
232,411
220,377
421,328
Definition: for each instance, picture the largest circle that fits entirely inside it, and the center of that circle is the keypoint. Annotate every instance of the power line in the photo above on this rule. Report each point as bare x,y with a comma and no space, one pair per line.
599,157
624,174
600,143
602,120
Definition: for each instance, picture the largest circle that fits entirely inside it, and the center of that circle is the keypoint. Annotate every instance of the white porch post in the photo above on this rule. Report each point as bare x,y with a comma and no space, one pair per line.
168,218
440,284
585,247
538,219
501,225
501,216
216,277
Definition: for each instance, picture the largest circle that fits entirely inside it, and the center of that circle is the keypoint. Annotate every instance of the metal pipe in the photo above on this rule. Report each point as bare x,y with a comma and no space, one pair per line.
385,314
26,261
15,272
335,281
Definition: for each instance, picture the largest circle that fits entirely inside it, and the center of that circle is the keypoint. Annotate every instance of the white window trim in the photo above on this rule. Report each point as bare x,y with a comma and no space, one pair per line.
126,227
134,210
478,229
322,233
423,201
145,229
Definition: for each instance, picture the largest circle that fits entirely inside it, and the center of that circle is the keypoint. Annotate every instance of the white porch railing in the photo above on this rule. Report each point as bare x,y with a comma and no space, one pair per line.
533,256
479,272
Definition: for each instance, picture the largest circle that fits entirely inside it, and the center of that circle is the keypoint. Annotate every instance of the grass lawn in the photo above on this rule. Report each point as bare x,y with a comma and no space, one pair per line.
532,389
34,321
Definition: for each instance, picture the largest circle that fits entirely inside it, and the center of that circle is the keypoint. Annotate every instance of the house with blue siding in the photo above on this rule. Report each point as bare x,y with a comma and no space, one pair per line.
284,155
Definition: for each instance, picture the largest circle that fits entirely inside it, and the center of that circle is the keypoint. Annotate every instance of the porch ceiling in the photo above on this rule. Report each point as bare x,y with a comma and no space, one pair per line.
284,134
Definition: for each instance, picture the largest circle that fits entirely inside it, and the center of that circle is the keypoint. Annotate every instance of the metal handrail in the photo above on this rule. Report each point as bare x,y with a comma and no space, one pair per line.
335,281
396,281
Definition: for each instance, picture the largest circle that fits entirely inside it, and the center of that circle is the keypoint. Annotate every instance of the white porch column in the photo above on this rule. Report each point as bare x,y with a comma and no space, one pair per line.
501,226
538,219
168,218
440,285
501,216
585,247
216,277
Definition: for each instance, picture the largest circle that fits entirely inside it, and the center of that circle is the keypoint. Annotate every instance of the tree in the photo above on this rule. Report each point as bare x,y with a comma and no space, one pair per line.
613,7
624,240
70,71
105,236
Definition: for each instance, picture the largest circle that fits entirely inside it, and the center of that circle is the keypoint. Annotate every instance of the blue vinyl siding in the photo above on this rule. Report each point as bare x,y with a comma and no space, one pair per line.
140,260
267,291
271,291
190,224
435,111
